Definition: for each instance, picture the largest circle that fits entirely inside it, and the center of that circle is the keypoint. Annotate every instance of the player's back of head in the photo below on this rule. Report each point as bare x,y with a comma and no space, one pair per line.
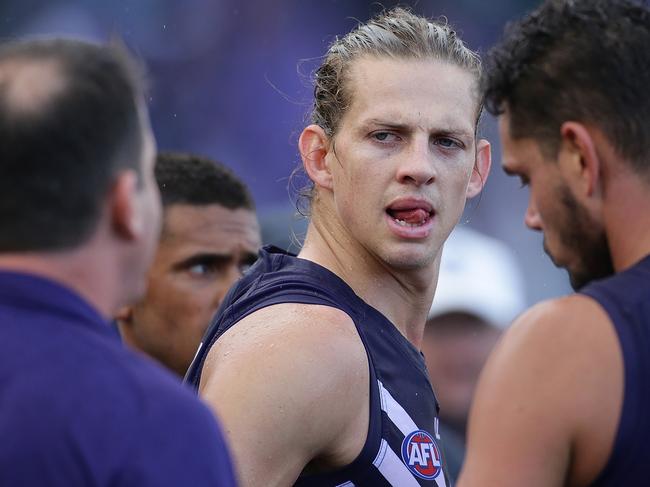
70,118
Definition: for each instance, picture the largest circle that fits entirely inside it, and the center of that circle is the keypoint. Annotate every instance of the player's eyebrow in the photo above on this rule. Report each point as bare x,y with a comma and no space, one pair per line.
385,123
443,129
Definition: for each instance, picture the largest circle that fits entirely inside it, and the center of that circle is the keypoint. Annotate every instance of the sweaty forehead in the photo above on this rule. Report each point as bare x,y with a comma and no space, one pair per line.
27,86
213,225
424,92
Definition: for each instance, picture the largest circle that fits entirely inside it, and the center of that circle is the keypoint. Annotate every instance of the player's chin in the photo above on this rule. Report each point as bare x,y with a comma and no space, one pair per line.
410,256
577,275
580,276
556,255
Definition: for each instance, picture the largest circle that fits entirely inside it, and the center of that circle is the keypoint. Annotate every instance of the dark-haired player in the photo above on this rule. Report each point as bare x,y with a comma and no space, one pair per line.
565,398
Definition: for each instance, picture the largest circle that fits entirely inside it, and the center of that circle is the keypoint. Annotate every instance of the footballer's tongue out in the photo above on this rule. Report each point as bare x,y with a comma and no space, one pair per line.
413,216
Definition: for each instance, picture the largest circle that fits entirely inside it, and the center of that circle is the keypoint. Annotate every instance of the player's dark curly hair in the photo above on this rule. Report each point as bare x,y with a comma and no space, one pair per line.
580,60
195,180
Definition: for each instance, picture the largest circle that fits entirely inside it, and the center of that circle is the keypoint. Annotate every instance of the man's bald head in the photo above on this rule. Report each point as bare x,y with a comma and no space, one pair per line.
70,118
28,87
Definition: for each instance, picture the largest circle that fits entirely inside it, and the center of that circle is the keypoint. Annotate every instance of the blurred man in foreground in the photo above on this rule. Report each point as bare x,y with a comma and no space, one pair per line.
79,221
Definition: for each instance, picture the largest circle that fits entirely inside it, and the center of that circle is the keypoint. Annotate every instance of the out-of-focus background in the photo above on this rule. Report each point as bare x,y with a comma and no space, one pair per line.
230,80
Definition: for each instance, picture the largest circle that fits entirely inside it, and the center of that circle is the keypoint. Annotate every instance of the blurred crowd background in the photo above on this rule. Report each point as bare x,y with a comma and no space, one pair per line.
230,79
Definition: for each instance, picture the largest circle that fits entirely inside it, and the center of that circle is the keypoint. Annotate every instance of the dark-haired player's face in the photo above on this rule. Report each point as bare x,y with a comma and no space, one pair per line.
573,238
202,252
404,155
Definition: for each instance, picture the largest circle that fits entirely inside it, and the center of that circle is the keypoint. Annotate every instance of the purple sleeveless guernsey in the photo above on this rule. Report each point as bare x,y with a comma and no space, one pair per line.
626,299
403,446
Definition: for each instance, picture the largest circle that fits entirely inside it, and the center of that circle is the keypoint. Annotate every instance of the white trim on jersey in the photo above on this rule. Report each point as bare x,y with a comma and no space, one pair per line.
392,467
400,418
396,412
440,480
346,484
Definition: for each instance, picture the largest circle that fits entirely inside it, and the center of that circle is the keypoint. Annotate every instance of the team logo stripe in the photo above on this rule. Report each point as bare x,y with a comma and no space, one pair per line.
400,418
396,412
392,468
421,455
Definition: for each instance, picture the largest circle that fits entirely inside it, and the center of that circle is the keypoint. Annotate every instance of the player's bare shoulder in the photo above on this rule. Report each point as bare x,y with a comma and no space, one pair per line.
306,370
572,334
322,336
559,326
553,346
528,390
588,353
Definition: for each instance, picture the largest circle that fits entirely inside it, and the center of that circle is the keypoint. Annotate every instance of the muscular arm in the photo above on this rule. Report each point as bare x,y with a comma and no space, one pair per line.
290,385
548,401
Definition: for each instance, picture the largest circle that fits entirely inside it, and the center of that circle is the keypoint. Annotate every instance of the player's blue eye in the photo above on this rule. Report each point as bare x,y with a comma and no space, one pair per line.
385,136
446,142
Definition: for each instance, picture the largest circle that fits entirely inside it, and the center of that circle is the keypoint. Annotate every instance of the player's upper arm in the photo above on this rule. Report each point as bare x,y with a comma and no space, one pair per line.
286,381
549,387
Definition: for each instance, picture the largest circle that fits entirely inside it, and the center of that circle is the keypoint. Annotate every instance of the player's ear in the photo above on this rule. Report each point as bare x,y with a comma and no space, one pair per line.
125,207
314,146
481,168
579,158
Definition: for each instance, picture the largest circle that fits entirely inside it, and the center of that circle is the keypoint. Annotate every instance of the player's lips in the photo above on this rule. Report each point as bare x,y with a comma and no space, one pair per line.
410,217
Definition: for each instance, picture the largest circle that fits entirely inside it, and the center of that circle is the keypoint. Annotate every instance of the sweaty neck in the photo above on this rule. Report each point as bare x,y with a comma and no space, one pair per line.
404,297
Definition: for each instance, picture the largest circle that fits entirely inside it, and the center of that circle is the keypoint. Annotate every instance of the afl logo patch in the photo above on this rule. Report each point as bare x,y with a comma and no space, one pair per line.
421,455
